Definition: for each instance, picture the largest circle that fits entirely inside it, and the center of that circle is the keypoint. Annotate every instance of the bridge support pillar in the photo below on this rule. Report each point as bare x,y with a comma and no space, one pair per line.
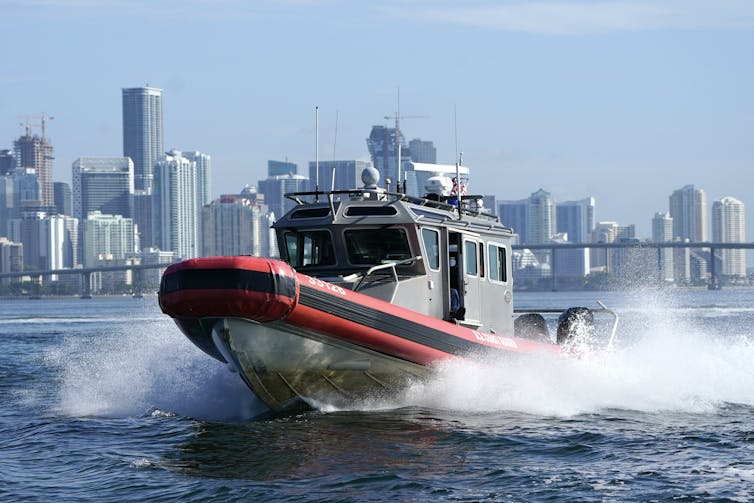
86,291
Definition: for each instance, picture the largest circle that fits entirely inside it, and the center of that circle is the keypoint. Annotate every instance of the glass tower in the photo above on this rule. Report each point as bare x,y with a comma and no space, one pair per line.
142,132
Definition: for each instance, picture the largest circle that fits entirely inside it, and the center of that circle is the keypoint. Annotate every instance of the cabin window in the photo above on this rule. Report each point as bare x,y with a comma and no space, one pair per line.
377,246
497,263
470,258
432,246
309,248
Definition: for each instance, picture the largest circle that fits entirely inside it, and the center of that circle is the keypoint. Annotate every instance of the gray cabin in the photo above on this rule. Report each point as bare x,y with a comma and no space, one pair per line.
436,255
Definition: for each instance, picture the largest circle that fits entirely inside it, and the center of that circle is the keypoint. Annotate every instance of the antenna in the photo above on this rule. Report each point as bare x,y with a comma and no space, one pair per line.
316,151
397,118
334,144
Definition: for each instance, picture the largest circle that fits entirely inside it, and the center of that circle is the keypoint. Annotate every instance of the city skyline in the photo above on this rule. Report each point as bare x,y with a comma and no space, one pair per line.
573,96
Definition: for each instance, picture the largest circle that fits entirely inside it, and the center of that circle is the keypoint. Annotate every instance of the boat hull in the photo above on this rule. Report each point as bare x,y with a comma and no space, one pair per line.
292,369
299,342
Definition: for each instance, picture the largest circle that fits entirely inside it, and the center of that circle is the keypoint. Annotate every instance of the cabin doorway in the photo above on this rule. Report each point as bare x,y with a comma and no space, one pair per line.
471,274
465,274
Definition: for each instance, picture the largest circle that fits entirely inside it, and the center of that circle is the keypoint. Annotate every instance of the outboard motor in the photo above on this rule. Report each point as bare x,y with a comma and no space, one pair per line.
531,326
575,321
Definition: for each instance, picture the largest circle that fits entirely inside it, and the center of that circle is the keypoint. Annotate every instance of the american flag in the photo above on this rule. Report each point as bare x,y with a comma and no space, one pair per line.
454,190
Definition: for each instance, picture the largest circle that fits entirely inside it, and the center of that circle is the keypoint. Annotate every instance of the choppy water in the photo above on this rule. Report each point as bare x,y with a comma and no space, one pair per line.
104,400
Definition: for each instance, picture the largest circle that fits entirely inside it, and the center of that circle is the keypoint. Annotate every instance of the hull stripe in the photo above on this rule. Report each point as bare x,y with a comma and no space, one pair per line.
385,322
225,279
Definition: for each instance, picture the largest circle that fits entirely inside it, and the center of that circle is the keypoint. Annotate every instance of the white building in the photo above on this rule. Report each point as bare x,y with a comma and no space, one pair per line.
662,232
234,225
50,241
111,236
729,226
176,207
204,174
688,207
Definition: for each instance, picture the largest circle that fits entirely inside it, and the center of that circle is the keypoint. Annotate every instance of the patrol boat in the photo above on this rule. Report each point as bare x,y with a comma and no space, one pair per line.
373,287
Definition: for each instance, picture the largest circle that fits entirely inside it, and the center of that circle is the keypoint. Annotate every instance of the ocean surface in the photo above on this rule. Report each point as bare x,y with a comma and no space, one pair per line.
105,400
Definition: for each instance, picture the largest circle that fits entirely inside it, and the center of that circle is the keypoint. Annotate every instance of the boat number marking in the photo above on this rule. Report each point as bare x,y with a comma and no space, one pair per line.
326,286
495,339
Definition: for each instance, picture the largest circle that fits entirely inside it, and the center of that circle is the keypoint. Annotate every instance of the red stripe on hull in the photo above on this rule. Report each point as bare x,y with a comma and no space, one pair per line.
346,330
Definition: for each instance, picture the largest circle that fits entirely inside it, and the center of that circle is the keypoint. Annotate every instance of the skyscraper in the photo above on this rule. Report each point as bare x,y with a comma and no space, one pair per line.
7,162
104,184
274,189
515,214
275,168
383,147
204,175
142,132
176,208
541,218
688,207
110,237
422,151
62,196
342,175
32,151
662,232
234,225
729,226
576,218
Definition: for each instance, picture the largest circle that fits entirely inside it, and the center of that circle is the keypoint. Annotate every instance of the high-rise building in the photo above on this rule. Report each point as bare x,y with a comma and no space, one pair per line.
176,209
234,225
63,198
35,152
341,175
576,219
274,189
729,226
515,214
142,132
11,257
6,203
541,218
26,189
108,236
662,232
383,147
50,241
7,162
422,151
275,168
204,174
688,207
104,184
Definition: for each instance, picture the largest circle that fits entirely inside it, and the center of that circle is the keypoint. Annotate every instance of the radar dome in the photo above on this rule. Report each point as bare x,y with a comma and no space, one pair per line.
370,176
438,185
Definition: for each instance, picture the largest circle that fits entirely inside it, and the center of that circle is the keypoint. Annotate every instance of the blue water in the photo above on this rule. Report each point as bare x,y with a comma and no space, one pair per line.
105,400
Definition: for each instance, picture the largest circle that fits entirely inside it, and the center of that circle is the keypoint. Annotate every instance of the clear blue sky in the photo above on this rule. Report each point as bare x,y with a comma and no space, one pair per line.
621,100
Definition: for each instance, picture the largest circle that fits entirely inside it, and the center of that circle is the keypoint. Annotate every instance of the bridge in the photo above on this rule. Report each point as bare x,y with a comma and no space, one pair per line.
86,274
713,246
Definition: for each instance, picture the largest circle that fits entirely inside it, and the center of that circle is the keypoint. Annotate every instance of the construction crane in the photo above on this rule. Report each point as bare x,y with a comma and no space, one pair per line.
41,118
398,118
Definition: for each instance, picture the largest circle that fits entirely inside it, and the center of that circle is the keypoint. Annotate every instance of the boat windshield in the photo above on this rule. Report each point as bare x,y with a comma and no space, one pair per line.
309,248
377,246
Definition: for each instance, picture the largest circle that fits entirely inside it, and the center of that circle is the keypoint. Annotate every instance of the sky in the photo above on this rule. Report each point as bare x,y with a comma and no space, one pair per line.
625,101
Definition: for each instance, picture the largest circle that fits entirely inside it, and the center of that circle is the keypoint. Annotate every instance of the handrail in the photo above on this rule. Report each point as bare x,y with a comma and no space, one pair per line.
389,265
